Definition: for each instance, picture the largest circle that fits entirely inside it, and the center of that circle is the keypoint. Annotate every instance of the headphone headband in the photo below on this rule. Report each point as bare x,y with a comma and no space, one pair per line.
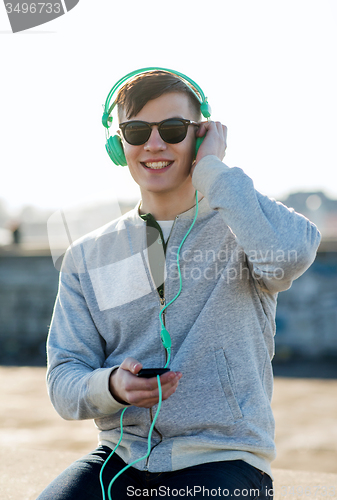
204,106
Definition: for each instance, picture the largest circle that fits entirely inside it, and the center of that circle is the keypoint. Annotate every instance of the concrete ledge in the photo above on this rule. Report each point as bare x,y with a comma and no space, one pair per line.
302,485
26,472
24,475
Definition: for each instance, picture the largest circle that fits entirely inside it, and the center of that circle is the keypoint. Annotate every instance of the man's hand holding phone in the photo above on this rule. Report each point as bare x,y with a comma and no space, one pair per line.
128,388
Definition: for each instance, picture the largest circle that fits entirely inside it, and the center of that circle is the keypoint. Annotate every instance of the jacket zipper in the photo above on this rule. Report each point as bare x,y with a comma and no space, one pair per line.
162,299
162,305
161,438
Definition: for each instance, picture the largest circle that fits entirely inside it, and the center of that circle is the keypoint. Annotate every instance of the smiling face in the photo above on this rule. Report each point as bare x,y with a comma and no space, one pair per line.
156,166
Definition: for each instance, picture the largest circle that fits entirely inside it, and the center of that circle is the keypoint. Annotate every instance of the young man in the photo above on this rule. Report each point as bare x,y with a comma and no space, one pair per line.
214,434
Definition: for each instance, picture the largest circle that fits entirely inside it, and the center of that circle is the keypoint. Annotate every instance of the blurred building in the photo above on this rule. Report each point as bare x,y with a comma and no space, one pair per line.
317,207
307,312
63,227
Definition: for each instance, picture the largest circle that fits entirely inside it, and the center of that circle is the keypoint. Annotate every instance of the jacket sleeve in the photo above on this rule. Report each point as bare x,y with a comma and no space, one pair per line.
279,243
78,386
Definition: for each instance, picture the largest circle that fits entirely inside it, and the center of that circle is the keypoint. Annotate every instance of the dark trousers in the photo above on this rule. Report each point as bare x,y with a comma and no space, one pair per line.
235,478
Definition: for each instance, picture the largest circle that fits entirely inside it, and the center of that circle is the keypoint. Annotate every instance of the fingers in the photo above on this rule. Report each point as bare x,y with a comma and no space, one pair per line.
126,387
131,365
145,393
202,129
215,139
210,125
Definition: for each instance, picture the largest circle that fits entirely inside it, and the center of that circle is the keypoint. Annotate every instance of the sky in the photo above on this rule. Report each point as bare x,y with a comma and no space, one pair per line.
267,67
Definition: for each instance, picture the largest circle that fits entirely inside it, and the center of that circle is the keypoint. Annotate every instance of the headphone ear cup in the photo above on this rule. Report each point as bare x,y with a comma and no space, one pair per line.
198,143
115,150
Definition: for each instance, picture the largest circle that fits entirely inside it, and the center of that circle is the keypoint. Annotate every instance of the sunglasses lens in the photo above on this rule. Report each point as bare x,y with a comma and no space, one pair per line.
173,131
137,133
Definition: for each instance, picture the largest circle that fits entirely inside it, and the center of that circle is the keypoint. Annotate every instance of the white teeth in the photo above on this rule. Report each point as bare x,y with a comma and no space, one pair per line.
157,164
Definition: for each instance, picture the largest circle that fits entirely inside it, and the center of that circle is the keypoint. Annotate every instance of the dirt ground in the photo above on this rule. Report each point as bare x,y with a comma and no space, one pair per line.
305,412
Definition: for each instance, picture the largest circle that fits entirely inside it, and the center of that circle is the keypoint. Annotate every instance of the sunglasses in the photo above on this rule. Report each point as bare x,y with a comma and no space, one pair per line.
172,131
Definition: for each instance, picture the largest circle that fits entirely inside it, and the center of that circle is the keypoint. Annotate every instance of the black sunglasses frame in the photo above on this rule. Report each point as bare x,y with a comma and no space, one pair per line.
149,126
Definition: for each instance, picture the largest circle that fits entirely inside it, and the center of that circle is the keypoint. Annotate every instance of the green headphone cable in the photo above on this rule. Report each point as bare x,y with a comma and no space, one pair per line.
164,334
166,340
120,439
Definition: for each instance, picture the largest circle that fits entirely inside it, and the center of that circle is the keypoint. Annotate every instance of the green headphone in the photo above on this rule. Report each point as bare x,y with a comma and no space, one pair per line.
114,144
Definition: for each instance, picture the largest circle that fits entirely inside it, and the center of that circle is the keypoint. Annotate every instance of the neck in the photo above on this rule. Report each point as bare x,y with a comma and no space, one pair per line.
166,206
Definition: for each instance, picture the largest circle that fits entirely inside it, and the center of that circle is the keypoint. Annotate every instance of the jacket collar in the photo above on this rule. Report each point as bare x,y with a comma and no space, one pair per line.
203,209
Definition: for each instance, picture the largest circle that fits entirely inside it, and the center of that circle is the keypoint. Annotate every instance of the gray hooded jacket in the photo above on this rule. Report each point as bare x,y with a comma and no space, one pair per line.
243,249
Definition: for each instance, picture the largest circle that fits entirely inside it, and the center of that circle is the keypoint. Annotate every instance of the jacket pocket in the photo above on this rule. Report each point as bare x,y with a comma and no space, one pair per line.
227,382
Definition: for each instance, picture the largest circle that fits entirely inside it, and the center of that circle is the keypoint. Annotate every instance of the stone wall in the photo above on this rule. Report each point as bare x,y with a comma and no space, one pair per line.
306,318
28,287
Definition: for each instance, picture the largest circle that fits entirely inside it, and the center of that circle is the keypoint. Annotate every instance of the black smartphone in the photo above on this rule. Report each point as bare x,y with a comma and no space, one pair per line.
152,372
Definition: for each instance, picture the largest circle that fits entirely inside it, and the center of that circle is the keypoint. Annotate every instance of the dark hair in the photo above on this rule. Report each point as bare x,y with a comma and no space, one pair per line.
133,96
